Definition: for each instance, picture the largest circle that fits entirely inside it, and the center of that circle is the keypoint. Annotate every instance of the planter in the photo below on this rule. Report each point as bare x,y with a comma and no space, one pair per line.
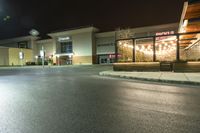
186,66
138,66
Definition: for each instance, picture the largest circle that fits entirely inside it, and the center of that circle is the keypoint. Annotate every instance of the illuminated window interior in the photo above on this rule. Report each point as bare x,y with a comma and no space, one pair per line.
125,51
144,50
166,48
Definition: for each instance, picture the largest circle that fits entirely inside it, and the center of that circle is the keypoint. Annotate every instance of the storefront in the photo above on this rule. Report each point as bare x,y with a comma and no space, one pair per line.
179,50
74,46
148,49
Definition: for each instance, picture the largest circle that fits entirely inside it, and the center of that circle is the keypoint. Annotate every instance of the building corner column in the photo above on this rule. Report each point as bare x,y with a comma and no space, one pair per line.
154,49
177,49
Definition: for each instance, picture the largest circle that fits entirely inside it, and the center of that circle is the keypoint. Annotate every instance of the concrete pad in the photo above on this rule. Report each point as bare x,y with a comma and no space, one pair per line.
173,76
130,74
193,76
150,75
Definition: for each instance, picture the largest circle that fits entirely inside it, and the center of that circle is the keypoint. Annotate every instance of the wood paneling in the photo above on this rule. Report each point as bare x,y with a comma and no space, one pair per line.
193,11
193,27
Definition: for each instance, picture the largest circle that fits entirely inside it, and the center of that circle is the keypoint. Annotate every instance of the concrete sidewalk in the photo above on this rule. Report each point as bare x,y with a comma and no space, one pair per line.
170,77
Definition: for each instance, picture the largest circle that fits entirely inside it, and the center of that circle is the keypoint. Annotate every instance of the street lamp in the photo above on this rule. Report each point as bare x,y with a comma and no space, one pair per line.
35,33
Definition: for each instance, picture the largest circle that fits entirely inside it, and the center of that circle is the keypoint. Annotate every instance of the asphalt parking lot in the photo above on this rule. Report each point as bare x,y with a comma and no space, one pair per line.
76,99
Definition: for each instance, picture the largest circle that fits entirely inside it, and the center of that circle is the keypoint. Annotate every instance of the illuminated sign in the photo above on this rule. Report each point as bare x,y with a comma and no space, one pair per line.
165,33
60,39
112,56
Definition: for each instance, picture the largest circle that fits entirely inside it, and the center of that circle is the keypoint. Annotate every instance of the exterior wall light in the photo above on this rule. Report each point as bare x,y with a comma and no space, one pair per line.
185,23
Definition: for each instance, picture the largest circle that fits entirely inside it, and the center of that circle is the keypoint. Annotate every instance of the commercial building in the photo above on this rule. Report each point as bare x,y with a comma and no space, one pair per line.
170,43
79,46
74,46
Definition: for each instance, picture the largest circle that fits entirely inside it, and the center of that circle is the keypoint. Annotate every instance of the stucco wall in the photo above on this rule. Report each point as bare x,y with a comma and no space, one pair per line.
4,57
14,56
82,44
82,48
48,47
82,60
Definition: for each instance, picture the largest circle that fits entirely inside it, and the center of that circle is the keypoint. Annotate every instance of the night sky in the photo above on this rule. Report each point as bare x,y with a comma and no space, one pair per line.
18,17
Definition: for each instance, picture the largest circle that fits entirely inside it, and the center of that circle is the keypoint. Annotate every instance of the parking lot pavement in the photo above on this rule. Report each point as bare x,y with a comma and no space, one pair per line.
78,100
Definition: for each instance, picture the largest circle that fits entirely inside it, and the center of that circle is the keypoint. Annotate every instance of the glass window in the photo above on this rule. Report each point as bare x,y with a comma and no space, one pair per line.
125,51
190,47
66,47
144,50
166,48
23,45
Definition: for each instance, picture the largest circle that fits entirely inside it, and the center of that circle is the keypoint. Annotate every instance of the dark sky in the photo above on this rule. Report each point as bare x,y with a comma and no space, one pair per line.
51,15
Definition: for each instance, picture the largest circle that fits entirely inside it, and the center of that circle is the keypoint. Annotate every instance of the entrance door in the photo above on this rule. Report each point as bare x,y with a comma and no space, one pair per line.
65,60
103,59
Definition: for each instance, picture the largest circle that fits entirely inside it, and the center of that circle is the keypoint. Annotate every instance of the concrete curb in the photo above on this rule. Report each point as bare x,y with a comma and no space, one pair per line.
150,79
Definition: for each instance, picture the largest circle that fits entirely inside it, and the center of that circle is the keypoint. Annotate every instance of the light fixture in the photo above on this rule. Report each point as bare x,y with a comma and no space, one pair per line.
130,46
34,32
143,47
183,30
137,48
185,23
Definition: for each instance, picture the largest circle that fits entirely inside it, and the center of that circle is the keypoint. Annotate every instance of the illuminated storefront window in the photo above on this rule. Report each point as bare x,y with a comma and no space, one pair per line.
144,50
190,47
166,48
178,47
125,51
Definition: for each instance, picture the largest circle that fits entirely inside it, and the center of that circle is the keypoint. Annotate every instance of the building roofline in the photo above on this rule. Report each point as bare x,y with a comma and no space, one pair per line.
18,39
112,33
44,40
4,47
73,31
73,28
156,26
